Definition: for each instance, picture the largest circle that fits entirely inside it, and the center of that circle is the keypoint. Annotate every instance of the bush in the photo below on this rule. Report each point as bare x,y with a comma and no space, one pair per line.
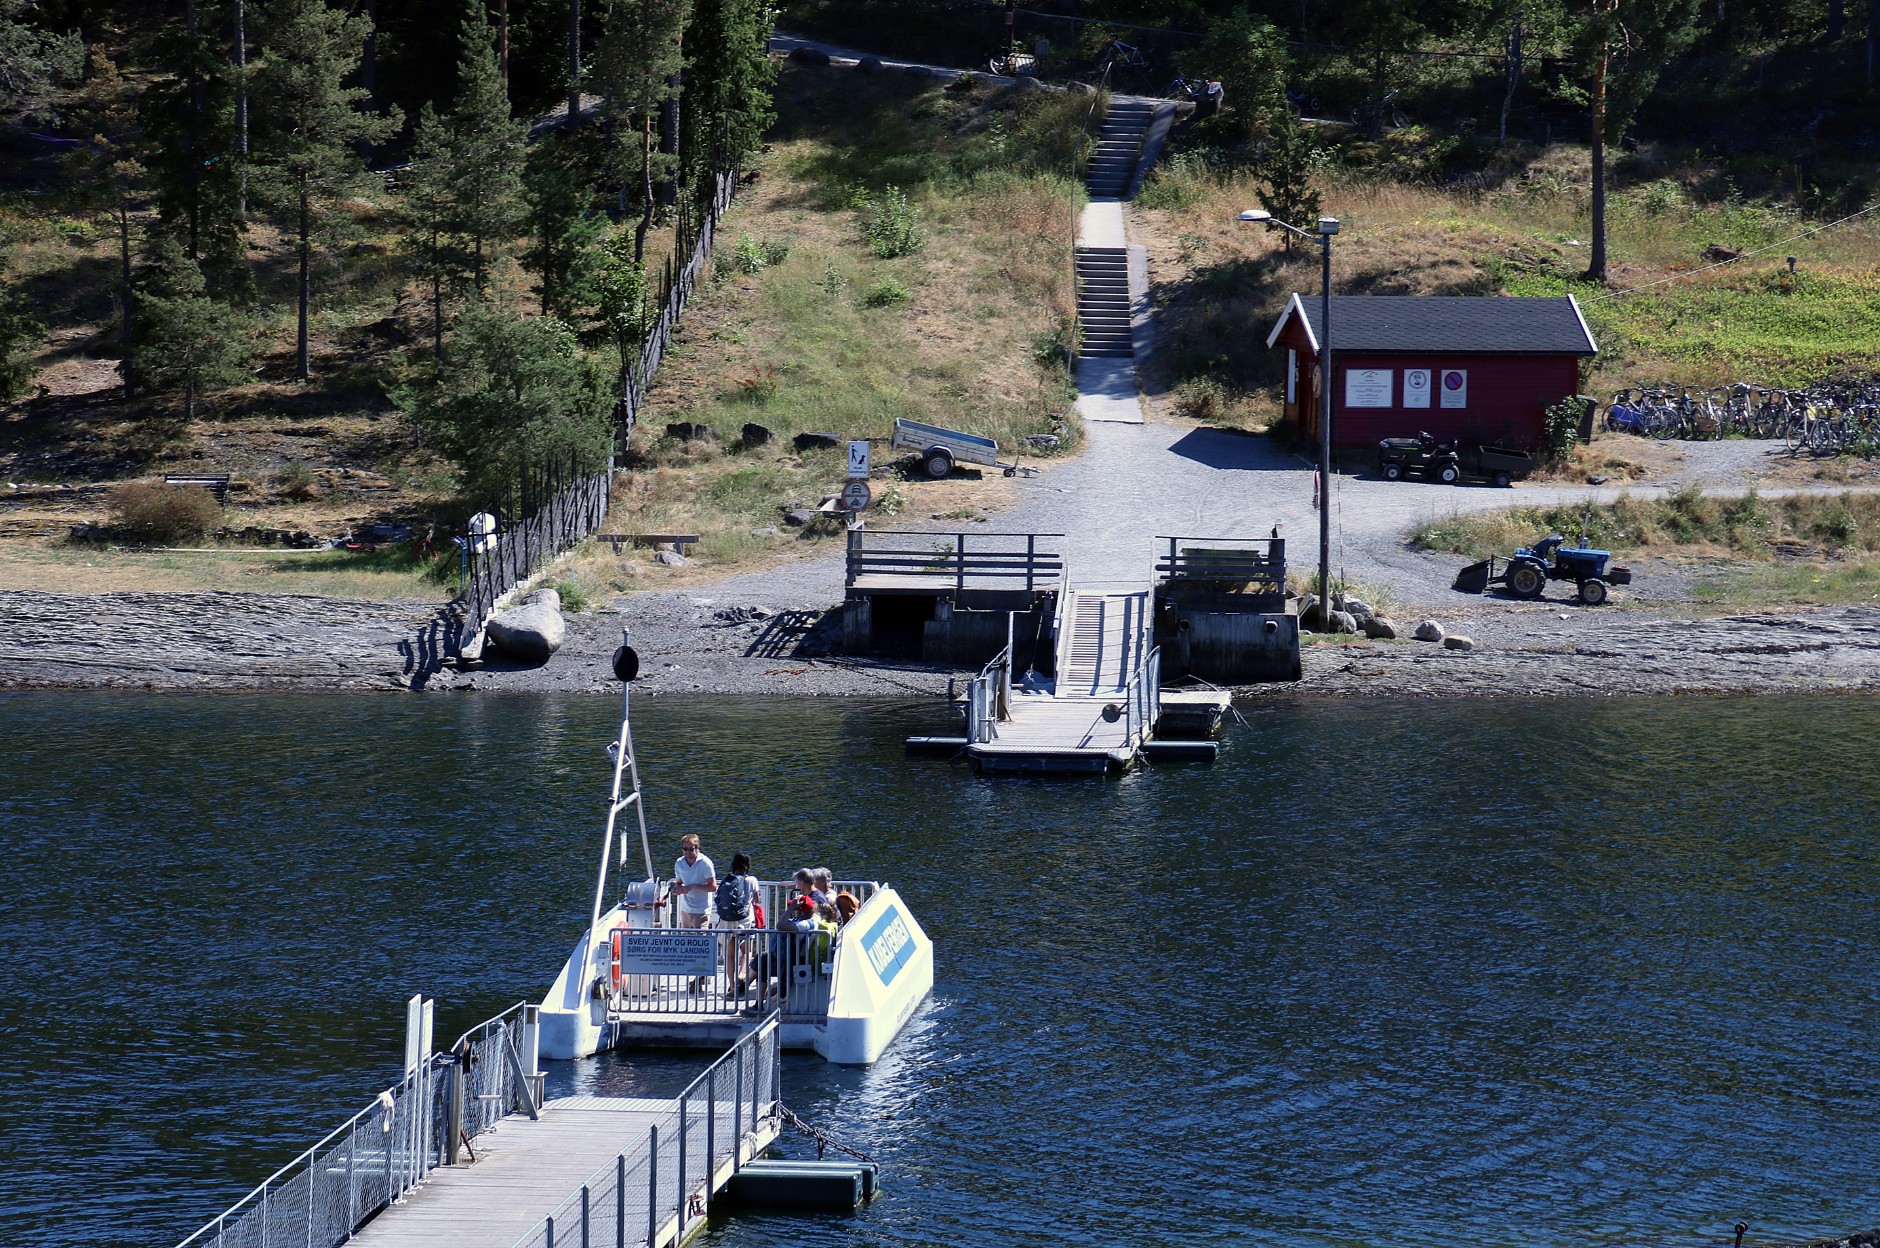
163,515
886,294
297,483
890,224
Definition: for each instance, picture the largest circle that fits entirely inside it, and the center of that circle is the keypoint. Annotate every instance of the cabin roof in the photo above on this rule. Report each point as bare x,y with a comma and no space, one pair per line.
1445,324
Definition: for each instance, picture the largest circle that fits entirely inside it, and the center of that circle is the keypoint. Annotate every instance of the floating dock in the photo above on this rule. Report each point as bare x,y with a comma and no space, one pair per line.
466,1153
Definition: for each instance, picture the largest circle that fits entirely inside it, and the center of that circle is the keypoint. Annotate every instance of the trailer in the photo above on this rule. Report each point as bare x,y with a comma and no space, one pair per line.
939,449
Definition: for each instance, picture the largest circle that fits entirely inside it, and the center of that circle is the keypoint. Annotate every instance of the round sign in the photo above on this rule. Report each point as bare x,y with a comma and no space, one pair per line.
856,496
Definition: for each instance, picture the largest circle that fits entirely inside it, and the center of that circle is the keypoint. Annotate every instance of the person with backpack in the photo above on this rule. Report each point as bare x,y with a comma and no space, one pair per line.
735,904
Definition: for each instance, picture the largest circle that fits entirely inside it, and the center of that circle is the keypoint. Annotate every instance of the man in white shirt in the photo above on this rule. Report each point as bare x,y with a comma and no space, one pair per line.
698,881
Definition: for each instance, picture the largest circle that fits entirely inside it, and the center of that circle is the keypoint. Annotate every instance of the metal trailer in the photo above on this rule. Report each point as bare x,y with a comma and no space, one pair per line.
939,449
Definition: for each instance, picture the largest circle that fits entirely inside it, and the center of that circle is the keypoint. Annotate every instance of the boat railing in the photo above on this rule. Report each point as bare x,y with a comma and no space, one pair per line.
386,1149
655,1192
1138,706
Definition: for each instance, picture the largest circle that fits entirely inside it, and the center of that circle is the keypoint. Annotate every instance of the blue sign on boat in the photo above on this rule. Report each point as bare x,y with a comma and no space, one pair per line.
888,945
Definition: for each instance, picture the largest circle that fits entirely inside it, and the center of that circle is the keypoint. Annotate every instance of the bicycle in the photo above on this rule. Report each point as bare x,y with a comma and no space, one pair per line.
1013,64
1119,55
1372,115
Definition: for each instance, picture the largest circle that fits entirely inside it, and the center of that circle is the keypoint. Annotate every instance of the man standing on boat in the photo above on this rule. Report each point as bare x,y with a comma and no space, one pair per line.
697,881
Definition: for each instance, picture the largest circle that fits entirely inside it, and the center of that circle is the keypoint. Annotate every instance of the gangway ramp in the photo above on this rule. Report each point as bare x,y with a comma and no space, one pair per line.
1102,705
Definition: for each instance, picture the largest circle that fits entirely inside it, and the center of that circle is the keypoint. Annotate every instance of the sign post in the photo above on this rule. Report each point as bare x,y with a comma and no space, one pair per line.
855,494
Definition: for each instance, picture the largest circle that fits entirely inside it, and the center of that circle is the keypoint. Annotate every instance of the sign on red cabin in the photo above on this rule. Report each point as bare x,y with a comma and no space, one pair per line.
1481,369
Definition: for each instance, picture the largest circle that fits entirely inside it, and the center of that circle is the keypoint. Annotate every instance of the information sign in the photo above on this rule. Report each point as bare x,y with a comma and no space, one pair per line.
662,951
1368,387
1455,387
856,496
1416,387
858,459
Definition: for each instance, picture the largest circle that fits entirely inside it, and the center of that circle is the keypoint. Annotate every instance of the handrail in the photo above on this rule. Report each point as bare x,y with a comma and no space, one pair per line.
376,1156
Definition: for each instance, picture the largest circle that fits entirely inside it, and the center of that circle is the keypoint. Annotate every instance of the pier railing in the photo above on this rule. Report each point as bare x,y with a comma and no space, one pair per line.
989,699
322,1196
1249,561
657,1187
979,560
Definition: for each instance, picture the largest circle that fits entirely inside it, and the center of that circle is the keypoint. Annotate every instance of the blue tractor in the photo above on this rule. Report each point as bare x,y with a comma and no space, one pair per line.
1549,559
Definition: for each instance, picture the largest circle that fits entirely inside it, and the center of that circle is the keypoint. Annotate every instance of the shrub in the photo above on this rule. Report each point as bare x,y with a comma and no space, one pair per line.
890,224
164,515
886,294
296,482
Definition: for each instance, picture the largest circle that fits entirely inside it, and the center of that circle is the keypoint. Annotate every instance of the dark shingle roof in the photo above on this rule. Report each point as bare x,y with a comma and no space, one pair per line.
1449,324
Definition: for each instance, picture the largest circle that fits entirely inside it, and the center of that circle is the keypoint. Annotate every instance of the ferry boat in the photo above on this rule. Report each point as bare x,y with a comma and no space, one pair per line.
635,977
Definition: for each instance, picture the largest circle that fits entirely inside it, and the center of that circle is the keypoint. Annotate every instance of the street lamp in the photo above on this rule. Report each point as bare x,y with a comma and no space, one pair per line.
1327,227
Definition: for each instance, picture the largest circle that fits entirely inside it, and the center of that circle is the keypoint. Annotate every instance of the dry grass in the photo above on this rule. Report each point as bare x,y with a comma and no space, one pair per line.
55,565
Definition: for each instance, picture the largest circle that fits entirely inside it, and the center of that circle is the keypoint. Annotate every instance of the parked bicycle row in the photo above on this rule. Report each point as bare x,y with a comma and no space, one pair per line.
1832,419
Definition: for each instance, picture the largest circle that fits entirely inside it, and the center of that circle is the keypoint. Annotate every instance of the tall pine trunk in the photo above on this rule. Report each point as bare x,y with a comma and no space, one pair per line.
302,371
668,191
646,189
241,103
1596,265
128,368
1512,74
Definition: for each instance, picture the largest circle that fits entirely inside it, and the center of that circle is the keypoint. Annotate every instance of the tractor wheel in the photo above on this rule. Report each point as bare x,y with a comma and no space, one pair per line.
938,464
1393,472
1526,581
1592,593
1449,474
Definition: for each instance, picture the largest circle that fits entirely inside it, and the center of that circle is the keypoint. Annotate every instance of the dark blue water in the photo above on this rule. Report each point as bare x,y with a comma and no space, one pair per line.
1388,974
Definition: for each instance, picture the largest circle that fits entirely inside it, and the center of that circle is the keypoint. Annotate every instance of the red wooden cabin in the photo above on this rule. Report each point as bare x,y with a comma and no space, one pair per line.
1479,368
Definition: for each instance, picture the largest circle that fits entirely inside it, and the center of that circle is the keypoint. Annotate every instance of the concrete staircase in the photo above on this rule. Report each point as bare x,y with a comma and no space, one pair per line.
1103,301
1113,164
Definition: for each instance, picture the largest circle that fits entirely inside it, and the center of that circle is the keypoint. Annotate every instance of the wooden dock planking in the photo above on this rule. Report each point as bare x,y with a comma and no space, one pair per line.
525,1169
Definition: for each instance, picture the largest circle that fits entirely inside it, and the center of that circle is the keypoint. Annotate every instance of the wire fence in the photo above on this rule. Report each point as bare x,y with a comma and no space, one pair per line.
512,555
657,1190
322,1196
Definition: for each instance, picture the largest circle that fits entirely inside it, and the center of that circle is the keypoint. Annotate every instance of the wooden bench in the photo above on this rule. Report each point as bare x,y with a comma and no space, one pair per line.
214,482
678,541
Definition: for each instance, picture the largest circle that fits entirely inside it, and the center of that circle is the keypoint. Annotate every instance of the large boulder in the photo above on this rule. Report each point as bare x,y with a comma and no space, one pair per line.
1429,630
1456,641
1360,609
809,56
1342,622
755,435
1378,628
817,441
531,632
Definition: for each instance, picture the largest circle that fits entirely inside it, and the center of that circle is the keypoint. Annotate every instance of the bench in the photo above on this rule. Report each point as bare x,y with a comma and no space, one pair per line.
679,541
214,482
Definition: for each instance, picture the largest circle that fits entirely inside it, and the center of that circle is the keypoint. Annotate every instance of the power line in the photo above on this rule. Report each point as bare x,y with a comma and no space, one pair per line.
1678,277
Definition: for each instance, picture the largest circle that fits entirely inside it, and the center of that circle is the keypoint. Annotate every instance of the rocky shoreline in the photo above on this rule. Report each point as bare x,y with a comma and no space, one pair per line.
699,644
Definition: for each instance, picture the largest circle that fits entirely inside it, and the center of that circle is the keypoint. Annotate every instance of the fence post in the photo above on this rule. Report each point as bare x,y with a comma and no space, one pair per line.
352,1185
264,1215
312,1153
652,1185
737,1102
548,1229
584,1216
620,1201
679,1235
711,1127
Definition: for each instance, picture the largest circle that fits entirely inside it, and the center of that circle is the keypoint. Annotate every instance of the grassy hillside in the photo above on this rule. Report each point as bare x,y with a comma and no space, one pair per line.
1518,225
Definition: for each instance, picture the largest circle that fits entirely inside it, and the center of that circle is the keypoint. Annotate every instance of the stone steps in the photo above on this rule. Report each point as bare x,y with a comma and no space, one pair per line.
1103,301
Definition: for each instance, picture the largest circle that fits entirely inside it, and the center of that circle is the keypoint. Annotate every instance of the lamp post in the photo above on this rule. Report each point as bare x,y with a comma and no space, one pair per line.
1327,227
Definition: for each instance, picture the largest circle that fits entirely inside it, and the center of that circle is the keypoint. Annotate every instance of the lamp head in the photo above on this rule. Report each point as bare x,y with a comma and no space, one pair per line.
1328,225
1256,214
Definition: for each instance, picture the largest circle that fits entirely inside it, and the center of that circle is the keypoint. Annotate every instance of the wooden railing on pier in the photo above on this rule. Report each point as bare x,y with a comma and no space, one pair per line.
908,560
1256,562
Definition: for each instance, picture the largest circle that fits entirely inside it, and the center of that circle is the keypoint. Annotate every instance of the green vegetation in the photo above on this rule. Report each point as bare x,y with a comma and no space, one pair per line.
1745,548
164,515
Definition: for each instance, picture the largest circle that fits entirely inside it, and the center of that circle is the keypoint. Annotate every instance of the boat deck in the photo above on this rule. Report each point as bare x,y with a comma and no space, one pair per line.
1071,730
526,1169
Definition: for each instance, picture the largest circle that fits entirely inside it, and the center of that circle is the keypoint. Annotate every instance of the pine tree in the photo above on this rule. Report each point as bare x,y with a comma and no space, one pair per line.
191,343
107,177
514,393
1284,181
1247,56
429,212
308,126
491,149
192,125
19,330
562,230
730,79
32,59
634,70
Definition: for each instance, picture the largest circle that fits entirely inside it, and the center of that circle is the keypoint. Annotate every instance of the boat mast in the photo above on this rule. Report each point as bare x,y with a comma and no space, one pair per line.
626,774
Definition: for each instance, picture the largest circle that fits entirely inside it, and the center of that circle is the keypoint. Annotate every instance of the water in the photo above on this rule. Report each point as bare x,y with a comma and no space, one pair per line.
1426,974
